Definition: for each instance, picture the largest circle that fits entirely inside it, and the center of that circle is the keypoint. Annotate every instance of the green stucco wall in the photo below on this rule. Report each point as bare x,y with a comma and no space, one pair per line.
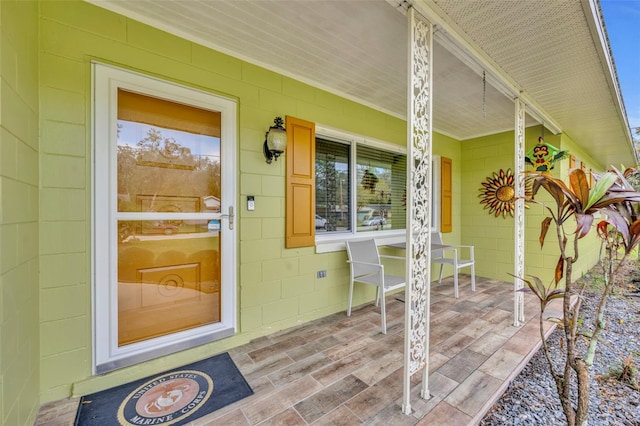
19,336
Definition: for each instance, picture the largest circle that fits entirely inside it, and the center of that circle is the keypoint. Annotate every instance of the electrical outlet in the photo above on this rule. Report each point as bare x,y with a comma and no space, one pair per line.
322,274
251,203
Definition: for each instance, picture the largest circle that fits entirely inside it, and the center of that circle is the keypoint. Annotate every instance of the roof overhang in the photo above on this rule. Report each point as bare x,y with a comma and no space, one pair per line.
555,56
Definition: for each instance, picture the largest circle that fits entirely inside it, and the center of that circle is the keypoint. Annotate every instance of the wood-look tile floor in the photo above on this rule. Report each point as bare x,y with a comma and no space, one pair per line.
341,370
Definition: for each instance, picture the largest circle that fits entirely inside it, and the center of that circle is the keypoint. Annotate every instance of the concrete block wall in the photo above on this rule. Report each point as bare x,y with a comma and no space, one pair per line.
493,237
277,288
19,209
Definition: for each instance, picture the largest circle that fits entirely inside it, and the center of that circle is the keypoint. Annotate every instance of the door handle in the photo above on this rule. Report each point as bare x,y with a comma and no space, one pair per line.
229,216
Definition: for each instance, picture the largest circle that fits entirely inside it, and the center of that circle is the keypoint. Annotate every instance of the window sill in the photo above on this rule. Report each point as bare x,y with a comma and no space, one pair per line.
335,242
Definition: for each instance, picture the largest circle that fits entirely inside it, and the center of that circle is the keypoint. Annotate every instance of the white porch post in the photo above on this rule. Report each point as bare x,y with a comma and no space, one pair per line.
518,297
419,183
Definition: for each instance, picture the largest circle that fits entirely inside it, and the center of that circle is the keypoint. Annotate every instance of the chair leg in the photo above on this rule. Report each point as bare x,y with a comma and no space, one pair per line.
455,282
383,312
440,277
473,277
350,298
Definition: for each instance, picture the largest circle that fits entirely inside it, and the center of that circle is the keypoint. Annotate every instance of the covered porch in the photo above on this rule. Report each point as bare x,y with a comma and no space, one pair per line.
467,81
342,370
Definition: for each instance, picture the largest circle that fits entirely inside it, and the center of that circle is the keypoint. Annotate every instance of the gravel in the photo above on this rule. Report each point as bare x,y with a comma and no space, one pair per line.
531,399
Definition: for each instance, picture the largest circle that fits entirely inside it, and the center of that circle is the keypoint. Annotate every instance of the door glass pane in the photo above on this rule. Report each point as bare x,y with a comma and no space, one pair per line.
332,187
168,159
168,277
167,163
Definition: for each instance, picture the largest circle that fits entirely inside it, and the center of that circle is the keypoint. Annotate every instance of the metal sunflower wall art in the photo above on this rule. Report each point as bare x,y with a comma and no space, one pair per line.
498,193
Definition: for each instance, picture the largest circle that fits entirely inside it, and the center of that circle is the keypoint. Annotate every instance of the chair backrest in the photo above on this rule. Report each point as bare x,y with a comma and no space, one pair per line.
363,251
436,238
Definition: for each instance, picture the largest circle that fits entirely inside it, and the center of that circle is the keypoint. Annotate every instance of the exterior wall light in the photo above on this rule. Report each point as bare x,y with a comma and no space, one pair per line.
275,140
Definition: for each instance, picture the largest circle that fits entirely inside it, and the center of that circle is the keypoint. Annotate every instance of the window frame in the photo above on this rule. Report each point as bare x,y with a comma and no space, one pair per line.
335,241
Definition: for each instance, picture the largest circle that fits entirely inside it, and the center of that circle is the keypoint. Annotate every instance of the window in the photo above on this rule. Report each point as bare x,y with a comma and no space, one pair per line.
360,186
381,178
333,187
349,186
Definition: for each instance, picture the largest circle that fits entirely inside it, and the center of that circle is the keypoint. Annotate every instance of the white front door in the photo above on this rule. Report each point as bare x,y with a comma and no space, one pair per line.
164,243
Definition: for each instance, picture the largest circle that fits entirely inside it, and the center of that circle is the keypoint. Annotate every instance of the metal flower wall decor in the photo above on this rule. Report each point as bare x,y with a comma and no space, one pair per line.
498,193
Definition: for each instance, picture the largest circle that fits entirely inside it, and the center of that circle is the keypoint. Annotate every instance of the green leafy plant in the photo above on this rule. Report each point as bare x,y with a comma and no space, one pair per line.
613,197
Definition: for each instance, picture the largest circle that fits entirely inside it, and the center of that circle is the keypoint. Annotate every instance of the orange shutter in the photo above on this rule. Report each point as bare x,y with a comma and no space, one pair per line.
301,179
446,209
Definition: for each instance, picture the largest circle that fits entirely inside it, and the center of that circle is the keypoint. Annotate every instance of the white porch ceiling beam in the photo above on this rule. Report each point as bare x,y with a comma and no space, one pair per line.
448,33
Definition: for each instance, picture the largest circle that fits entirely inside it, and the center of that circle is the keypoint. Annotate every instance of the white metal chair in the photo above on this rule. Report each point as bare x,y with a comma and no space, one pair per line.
366,268
439,255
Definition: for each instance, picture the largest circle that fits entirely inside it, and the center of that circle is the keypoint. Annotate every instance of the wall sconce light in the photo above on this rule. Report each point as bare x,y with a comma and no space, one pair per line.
275,140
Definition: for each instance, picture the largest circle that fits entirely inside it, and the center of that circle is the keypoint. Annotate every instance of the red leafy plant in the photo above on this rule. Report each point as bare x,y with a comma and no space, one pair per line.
614,199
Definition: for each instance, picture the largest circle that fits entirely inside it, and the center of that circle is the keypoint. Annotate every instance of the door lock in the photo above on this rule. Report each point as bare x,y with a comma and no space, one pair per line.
229,216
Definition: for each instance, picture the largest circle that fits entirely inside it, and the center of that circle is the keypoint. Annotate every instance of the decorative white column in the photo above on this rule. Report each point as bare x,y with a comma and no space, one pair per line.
417,292
518,296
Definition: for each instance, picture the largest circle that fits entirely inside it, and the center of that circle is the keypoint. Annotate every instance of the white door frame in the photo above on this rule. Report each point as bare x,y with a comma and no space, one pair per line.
107,355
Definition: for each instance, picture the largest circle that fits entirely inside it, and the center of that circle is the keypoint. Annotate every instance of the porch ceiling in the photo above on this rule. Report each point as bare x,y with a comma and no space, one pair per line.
551,51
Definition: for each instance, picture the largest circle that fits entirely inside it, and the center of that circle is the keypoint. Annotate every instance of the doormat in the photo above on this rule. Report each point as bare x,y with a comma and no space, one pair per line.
175,397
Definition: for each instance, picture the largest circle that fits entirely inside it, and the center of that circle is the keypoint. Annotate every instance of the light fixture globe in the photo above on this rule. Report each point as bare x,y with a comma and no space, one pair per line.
275,140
